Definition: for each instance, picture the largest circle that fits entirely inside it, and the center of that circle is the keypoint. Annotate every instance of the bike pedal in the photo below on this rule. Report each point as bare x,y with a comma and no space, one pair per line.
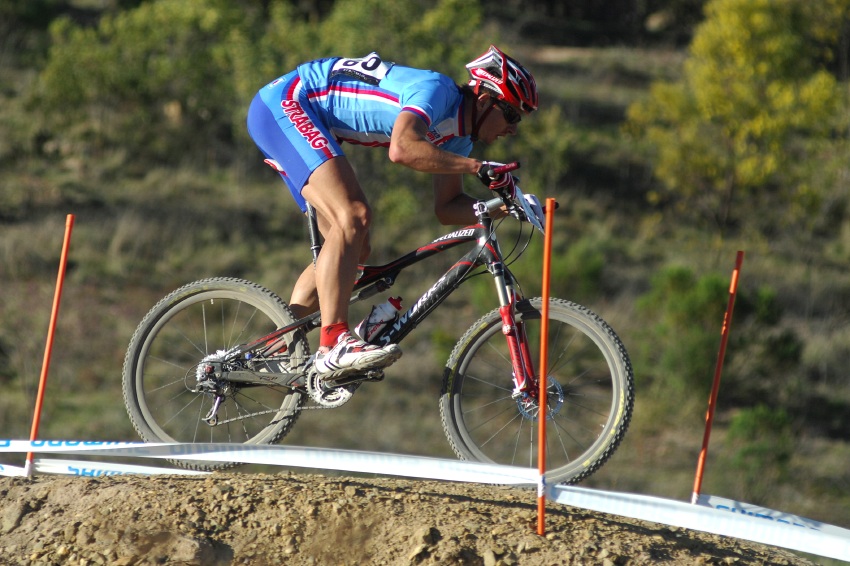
373,375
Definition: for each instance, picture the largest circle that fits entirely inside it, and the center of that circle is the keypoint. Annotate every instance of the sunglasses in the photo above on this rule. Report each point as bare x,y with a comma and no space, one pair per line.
509,112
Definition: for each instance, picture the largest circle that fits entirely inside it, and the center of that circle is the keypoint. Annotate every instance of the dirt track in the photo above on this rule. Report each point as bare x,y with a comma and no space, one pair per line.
310,519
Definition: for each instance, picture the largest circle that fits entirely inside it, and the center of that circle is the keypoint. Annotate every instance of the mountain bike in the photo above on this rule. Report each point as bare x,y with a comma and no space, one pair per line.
224,360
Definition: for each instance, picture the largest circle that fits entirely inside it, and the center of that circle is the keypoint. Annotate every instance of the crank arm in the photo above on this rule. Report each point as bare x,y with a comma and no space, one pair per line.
373,375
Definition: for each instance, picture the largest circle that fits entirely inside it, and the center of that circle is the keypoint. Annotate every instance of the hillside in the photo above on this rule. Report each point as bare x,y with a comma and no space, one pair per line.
311,519
167,188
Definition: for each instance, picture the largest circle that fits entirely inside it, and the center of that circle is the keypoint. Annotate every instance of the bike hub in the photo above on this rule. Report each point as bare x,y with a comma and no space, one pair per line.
529,405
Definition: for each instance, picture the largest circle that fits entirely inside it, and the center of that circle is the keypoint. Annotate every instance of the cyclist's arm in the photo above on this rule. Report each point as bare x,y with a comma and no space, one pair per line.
451,204
409,146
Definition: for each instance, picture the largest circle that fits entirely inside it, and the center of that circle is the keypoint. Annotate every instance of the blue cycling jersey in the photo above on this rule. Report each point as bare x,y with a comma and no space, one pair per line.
300,119
360,99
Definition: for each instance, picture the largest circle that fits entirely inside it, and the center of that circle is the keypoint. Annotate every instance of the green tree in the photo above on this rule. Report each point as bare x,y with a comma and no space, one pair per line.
680,345
171,80
442,35
154,81
760,444
755,94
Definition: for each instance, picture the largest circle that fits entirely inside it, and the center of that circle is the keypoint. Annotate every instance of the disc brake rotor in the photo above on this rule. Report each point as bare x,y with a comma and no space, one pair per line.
529,407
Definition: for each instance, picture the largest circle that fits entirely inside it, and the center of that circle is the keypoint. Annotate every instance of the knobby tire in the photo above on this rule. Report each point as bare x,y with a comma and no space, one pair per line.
191,323
591,393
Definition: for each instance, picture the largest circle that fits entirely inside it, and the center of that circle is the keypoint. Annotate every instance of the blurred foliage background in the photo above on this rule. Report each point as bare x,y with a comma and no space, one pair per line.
673,133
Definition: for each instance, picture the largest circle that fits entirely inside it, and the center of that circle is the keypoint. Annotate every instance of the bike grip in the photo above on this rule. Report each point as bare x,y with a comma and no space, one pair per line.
505,168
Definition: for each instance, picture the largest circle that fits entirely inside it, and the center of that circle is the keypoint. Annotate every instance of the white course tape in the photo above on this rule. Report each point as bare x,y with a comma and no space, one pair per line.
713,515
90,469
766,514
319,458
833,543
12,471
99,469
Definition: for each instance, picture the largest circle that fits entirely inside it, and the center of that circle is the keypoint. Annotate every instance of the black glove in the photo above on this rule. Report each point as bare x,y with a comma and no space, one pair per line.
486,172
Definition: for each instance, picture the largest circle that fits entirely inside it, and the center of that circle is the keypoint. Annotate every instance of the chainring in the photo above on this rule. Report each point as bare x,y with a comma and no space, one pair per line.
329,397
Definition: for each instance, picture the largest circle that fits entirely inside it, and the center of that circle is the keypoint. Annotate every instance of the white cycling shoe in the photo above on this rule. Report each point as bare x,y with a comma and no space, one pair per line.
351,355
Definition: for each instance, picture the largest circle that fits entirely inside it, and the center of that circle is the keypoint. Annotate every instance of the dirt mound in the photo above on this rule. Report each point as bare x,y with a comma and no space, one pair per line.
297,519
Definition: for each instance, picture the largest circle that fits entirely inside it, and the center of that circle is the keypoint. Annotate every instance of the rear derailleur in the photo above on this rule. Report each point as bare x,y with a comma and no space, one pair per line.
208,381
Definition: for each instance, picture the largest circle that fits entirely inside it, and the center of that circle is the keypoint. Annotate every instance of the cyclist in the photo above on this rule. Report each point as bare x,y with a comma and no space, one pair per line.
428,122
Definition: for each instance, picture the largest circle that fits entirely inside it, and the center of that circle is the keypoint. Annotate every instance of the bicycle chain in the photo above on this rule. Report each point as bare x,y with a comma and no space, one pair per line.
271,411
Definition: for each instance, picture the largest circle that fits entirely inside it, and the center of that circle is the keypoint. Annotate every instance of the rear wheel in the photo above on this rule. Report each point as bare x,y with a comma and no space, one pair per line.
189,328
590,393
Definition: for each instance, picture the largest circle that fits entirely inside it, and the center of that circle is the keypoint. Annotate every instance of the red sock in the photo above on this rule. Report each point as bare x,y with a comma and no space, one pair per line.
331,332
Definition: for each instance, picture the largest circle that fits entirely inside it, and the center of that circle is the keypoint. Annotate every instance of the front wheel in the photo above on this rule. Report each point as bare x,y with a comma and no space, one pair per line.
190,327
590,393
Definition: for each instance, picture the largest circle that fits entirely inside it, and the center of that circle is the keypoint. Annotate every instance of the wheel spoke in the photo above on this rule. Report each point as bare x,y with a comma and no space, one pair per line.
589,372
187,328
490,383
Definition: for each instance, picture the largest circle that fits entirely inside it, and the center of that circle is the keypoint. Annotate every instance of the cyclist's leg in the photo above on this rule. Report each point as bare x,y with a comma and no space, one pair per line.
295,143
344,215
301,148
305,298
333,190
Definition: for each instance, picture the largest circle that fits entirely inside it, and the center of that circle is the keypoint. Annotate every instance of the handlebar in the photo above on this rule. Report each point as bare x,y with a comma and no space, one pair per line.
525,208
506,168
488,173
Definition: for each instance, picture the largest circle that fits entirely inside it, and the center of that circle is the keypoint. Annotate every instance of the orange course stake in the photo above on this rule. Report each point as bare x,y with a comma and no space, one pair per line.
715,388
544,368
42,382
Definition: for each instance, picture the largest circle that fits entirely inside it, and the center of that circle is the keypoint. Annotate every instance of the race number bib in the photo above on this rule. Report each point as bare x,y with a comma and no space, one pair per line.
370,69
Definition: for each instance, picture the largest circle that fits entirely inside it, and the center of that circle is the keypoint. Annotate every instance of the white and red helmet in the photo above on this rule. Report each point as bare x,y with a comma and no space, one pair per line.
504,78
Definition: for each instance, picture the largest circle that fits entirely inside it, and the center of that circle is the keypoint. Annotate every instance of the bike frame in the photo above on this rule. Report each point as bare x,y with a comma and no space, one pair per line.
376,279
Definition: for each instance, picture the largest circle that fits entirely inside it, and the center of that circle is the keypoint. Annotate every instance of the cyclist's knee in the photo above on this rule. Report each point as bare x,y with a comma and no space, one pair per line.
351,225
359,219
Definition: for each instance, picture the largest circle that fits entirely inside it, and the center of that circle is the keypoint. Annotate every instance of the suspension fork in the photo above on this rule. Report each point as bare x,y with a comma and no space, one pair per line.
525,382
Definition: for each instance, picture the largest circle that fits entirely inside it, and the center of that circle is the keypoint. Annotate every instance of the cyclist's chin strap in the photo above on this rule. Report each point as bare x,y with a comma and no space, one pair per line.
476,121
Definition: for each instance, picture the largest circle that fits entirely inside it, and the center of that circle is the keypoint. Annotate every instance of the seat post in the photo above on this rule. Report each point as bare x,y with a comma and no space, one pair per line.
315,236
